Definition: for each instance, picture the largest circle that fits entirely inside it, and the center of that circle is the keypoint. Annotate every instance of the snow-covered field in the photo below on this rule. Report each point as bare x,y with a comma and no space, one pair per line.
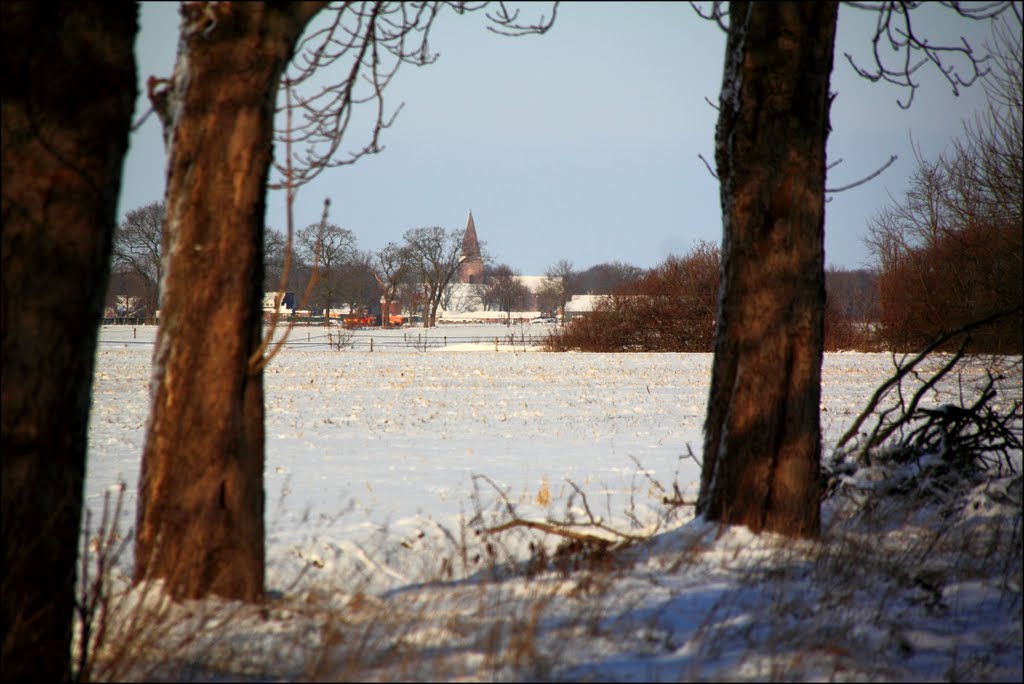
377,462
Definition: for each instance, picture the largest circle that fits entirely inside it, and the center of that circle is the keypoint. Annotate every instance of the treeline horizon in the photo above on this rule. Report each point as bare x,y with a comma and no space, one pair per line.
135,269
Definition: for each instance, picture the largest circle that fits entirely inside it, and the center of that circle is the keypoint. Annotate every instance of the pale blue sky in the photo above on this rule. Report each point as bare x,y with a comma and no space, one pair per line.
581,144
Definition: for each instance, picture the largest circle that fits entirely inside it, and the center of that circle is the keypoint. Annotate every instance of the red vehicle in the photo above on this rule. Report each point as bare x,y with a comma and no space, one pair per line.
354,321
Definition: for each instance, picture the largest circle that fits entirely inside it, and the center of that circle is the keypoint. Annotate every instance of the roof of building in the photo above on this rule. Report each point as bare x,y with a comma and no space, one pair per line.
470,244
583,303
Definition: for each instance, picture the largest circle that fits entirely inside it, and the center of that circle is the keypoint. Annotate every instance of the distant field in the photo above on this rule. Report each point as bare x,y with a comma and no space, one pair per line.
357,440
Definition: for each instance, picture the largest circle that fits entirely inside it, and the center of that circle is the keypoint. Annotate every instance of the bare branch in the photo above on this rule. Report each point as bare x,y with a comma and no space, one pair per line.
569,529
258,361
676,498
507,23
364,44
141,120
716,14
548,528
895,34
903,369
863,180
710,170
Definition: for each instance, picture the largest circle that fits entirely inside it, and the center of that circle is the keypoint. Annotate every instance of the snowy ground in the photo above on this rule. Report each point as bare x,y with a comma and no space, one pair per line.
377,463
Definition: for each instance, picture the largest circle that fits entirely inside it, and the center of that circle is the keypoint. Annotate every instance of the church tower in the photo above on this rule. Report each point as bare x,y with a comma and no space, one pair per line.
471,268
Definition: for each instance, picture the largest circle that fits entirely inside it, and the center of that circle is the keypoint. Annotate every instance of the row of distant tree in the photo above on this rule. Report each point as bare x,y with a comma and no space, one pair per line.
326,269
323,264
673,307
946,254
930,272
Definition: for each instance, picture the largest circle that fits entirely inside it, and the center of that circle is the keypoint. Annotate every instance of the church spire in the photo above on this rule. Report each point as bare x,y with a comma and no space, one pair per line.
470,245
471,270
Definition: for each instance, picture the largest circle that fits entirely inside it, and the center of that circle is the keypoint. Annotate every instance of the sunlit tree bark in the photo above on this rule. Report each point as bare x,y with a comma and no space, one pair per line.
201,499
762,434
200,511
68,94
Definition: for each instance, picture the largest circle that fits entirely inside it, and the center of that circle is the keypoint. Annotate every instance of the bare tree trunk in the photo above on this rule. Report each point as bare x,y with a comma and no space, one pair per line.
201,500
386,315
434,305
428,306
68,93
762,433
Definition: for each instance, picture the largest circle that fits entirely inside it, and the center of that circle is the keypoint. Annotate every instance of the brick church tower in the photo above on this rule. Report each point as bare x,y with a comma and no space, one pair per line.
471,267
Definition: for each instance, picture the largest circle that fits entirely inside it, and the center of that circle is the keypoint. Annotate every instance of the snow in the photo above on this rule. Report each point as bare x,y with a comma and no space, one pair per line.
381,468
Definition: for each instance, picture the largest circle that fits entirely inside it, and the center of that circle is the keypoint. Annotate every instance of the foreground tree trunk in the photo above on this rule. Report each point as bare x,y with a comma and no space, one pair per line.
201,501
762,432
68,95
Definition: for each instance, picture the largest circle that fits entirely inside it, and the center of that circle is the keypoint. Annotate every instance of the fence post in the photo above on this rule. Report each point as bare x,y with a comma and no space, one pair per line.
133,333
371,345
495,344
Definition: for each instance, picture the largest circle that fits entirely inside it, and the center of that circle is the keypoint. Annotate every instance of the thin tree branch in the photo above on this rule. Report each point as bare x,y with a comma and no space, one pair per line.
863,180
904,369
563,528
710,170
507,23
367,43
715,14
895,35
257,362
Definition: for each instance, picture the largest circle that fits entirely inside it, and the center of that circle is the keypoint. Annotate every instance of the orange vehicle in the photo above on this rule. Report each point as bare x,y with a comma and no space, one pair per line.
356,321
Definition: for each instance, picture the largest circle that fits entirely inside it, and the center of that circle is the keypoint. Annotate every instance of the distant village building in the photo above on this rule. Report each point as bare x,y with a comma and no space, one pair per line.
463,300
129,298
581,305
471,266
279,302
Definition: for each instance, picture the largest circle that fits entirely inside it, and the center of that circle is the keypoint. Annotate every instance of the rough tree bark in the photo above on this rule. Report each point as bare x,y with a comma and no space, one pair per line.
762,432
201,500
68,95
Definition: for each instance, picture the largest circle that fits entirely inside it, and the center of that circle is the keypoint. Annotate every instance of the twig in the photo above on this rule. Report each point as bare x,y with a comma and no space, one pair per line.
710,170
564,528
903,370
556,529
894,26
258,361
715,14
865,179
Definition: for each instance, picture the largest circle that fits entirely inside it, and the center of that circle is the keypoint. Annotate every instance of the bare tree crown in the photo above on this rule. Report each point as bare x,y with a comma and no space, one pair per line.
899,50
363,44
